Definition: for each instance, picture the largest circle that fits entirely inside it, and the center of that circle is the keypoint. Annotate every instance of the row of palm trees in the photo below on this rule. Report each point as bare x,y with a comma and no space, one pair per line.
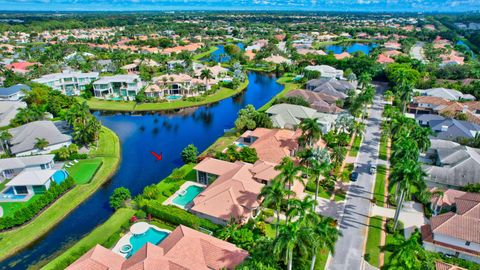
303,232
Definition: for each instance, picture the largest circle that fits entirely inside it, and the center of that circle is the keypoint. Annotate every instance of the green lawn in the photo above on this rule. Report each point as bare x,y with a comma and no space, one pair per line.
99,235
356,146
347,170
83,171
204,54
169,185
373,247
383,147
289,85
17,239
380,182
221,143
10,207
2,184
109,105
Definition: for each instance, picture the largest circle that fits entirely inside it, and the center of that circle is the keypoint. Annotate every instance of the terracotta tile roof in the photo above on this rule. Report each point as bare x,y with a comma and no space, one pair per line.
342,55
98,258
318,101
445,266
431,100
149,257
273,145
215,166
448,198
383,59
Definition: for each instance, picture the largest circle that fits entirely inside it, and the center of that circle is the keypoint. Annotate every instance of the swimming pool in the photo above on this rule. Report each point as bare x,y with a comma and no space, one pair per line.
8,194
150,236
60,176
174,97
187,196
241,145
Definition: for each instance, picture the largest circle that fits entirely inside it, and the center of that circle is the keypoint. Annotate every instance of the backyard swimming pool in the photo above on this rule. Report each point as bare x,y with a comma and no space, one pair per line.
187,196
174,97
60,176
8,194
150,236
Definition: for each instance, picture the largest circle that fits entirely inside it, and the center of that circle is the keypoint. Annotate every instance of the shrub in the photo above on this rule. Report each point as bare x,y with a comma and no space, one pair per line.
189,154
267,212
119,196
248,155
177,216
389,226
177,174
141,214
30,210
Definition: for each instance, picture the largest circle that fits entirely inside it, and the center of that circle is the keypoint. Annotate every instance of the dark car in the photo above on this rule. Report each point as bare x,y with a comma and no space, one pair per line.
354,176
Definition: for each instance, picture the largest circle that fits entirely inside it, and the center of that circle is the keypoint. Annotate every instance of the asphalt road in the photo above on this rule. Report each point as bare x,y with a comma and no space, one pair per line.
353,224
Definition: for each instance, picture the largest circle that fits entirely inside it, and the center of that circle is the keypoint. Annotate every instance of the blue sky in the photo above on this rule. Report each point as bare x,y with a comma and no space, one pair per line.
311,5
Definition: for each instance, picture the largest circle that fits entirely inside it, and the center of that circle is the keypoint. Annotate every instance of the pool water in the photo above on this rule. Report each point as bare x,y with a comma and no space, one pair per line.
8,194
241,145
190,193
60,176
150,236
174,97
366,48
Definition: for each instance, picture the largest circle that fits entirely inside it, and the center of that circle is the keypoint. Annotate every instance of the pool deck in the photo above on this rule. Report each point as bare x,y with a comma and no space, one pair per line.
125,240
183,187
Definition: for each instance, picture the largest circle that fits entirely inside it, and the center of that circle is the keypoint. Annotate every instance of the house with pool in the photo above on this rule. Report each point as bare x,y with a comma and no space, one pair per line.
29,183
117,87
147,247
172,86
11,167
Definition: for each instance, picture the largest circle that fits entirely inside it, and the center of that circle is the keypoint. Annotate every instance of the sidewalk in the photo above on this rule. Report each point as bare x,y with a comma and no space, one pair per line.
411,215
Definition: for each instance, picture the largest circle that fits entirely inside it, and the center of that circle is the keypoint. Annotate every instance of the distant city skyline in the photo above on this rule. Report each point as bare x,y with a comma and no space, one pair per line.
247,5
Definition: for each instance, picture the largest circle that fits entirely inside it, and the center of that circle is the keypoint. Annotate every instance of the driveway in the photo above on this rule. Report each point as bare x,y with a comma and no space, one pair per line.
411,215
417,52
353,223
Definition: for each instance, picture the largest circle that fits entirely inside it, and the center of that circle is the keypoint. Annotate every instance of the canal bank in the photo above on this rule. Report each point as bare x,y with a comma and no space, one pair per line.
166,132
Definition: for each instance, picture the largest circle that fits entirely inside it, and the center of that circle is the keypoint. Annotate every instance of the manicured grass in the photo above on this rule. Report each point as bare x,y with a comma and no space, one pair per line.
347,170
318,45
109,105
380,181
109,152
83,171
373,247
169,185
355,146
2,184
10,207
204,54
221,143
289,85
100,234
383,147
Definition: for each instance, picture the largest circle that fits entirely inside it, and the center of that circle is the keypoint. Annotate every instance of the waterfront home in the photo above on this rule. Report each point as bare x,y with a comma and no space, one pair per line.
342,55
70,83
448,94
318,101
14,93
117,86
233,191
34,181
310,51
272,145
456,233
10,167
392,45
452,165
183,249
289,116
331,87
24,138
217,71
178,84
8,111
326,71
277,59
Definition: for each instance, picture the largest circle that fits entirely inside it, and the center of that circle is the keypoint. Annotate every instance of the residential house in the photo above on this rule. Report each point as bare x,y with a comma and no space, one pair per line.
21,67
448,94
326,71
456,233
392,45
69,83
277,59
172,64
446,266
383,59
453,165
11,167
14,93
233,191
441,106
318,101
8,111
289,116
331,87
183,249
342,55
117,86
444,200
105,66
453,58
31,182
452,129
177,84
24,138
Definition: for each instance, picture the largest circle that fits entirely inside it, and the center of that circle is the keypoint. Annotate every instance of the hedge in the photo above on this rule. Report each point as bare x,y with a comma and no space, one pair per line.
26,213
177,216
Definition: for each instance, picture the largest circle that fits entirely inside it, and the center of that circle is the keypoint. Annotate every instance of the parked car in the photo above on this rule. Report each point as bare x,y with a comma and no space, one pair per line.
354,176
373,168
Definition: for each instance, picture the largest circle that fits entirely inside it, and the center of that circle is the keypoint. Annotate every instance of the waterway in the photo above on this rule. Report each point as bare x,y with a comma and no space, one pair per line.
366,48
167,133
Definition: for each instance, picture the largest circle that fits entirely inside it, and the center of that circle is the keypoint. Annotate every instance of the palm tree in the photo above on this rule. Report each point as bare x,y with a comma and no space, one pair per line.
302,209
320,163
311,132
409,254
292,236
364,80
326,234
421,136
338,154
405,175
5,136
206,74
227,232
289,172
273,196
41,143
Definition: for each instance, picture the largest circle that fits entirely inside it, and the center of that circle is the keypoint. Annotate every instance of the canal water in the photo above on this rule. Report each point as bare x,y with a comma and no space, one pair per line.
166,133
220,55
366,48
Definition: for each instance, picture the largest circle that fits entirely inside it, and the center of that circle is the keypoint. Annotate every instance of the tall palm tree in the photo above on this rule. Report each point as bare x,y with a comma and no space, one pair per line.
292,236
319,164
301,209
364,80
326,234
409,254
41,143
405,175
289,173
338,154
206,74
311,132
5,136
421,136
273,196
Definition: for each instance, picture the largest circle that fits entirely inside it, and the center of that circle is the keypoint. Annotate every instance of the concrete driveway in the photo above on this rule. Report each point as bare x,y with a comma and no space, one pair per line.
353,224
411,215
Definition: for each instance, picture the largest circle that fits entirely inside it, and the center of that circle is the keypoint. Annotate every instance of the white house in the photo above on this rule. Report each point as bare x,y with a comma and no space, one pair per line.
13,93
70,83
117,86
10,167
326,71
32,182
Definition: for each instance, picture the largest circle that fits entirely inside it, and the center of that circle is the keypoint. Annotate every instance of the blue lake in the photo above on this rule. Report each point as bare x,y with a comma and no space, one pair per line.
351,48
168,133
461,43
220,55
